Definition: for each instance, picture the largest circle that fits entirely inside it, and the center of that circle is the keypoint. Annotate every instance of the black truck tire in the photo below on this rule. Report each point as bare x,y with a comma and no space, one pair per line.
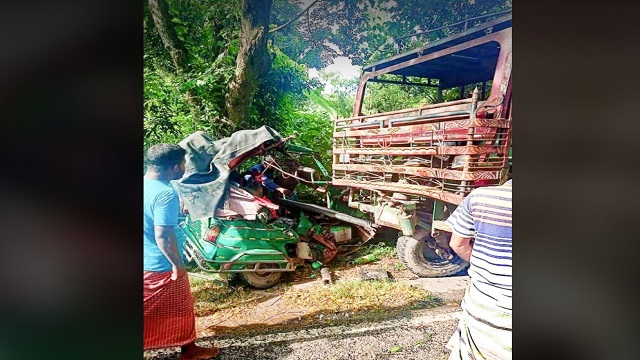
401,243
424,262
262,279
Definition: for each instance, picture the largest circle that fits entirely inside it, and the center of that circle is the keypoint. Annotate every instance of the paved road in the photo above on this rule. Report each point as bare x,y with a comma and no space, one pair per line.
421,336
450,289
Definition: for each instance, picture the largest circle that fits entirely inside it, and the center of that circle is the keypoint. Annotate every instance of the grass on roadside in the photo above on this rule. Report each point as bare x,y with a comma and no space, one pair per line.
386,258
381,250
210,297
353,295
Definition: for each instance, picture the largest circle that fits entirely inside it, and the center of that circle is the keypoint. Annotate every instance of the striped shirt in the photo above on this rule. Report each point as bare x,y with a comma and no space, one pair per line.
485,330
485,214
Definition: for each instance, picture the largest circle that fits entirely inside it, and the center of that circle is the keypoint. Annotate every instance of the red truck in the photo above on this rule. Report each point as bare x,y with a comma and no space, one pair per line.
408,169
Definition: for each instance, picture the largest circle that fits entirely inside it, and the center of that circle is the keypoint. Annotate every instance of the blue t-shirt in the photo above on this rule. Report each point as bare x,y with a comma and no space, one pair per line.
161,207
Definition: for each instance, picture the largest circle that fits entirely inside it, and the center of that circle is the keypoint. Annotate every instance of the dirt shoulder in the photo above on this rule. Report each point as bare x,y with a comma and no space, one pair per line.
302,300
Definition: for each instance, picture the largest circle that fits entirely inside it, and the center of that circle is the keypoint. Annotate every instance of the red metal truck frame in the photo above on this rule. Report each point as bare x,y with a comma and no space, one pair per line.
373,154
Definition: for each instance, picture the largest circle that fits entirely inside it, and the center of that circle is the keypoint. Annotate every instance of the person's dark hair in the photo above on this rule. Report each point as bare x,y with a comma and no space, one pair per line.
164,156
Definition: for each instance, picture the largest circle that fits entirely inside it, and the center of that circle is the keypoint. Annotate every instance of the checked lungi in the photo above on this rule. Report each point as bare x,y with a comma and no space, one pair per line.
168,311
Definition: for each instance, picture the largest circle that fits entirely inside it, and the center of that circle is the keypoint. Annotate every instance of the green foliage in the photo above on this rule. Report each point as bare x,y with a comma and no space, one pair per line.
177,104
342,94
399,266
364,30
314,129
411,16
280,103
279,95
316,97
382,97
208,29
294,40
381,250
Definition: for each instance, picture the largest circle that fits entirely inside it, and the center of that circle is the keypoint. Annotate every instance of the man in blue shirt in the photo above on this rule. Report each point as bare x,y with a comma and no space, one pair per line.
168,306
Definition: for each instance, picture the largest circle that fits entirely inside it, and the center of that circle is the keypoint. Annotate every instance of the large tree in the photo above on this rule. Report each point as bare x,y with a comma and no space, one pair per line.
253,60
160,13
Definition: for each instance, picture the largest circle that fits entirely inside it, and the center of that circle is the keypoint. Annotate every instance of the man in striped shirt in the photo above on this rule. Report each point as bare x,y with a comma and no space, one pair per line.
481,234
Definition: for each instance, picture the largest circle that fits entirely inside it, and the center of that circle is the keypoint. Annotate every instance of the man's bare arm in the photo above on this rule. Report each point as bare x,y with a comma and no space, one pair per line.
167,242
461,245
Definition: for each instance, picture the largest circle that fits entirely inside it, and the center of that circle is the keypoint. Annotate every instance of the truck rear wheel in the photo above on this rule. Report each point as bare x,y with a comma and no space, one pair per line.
423,261
262,279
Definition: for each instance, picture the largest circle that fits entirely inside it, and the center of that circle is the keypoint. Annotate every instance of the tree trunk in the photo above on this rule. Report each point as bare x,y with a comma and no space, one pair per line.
162,19
253,60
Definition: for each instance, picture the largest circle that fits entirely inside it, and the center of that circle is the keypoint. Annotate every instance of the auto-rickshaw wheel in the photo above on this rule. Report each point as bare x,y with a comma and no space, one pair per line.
262,279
